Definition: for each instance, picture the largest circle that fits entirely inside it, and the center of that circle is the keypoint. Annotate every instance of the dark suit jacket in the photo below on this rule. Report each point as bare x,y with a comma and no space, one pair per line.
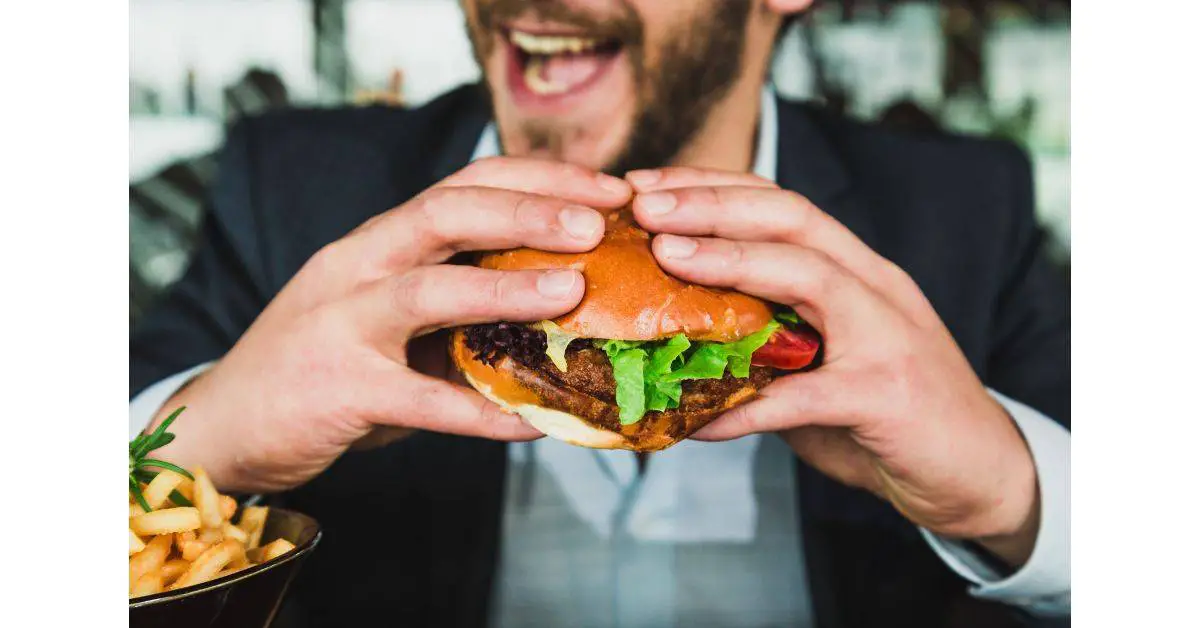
412,529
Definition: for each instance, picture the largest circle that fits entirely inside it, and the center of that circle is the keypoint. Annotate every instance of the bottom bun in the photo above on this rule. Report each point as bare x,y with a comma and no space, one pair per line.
575,417
555,423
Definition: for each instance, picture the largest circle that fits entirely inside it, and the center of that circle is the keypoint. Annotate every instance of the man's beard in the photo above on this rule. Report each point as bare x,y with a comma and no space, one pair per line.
698,65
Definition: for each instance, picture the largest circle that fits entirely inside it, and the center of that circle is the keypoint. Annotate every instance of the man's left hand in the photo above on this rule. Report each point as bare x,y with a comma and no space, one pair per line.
895,408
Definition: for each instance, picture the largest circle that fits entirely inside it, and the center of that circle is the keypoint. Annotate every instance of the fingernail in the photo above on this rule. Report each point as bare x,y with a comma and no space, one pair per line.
657,203
557,284
612,184
581,222
643,178
677,247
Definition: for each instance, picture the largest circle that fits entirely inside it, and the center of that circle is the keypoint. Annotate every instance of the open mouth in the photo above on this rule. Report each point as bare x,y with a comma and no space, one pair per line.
556,65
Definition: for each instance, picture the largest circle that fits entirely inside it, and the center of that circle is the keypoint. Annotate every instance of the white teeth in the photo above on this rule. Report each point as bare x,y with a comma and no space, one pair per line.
550,44
535,82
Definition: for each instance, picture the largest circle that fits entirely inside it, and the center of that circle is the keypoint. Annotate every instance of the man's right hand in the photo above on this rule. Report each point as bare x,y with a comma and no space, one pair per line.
327,363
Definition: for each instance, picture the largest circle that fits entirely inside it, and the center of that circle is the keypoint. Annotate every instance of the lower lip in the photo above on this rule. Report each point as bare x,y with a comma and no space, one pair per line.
550,103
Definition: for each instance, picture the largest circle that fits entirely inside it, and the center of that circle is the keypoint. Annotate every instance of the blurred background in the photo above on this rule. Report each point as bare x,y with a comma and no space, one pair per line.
980,67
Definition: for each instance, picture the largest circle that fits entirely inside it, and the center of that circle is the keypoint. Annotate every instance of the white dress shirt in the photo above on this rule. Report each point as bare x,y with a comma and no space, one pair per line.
675,507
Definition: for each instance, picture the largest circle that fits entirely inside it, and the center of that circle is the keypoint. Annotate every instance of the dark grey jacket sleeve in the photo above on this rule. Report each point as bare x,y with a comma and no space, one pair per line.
1030,353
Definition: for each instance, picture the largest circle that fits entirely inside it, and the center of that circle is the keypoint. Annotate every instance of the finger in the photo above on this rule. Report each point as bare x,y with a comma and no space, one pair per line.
765,215
673,177
422,402
760,215
446,220
569,182
810,281
806,399
434,297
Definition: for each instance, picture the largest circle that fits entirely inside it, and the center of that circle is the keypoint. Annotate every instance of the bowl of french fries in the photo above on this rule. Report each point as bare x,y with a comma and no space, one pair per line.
197,557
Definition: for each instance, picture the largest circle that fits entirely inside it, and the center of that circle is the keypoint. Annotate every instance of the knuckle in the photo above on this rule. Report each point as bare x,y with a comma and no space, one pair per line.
438,216
428,210
802,211
326,260
736,256
499,289
410,295
723,196
822,274
530,214
895,276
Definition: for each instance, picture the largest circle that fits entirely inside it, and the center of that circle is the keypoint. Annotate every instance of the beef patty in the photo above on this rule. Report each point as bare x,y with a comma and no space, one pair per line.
587,389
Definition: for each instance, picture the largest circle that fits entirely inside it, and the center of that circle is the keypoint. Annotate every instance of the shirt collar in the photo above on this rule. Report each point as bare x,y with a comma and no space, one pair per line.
766,146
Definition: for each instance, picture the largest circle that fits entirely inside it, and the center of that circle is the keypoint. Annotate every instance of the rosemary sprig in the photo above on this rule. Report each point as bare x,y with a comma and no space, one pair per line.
140,464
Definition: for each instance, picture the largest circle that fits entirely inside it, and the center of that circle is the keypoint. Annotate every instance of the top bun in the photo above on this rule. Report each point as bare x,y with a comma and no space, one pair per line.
628,296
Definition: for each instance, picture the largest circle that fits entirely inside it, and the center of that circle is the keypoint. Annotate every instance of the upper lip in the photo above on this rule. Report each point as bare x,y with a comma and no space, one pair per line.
552,29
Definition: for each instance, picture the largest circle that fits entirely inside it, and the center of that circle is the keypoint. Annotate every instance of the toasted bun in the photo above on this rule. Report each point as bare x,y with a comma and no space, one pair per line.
629,297
580,419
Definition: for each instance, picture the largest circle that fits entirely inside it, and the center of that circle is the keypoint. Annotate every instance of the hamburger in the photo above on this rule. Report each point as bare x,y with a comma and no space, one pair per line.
643,361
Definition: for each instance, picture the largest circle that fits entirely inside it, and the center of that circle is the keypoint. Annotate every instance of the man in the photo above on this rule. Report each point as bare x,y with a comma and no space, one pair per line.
305,342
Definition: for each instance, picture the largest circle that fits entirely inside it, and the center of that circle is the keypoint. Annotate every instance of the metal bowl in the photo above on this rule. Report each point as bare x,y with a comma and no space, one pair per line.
245,599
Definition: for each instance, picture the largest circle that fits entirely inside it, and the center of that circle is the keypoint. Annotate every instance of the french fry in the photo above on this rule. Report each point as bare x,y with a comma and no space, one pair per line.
147,584
232,568
210,536
192,550
228,506
135,544
135,510
209,564
241,562
182,538
165,521
206,499
254,519
270,551
149,560
185,489
231,531
172,569
160,488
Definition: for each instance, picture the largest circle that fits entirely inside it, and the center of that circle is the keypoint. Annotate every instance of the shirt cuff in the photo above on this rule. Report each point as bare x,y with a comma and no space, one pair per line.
1043,584
147,403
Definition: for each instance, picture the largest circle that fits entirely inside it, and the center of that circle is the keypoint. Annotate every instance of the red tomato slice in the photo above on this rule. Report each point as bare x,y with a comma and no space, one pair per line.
788,349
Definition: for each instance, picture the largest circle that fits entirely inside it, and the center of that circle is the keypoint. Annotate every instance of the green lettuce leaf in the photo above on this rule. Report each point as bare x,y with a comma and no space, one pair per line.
650,375
613,347
629,371
662,394
710,359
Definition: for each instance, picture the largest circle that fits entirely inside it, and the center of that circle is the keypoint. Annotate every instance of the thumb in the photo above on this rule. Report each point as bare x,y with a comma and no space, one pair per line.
813,398
426,403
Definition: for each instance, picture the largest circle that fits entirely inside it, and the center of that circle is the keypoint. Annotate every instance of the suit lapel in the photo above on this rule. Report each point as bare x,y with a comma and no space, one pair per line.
809,165
462,134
